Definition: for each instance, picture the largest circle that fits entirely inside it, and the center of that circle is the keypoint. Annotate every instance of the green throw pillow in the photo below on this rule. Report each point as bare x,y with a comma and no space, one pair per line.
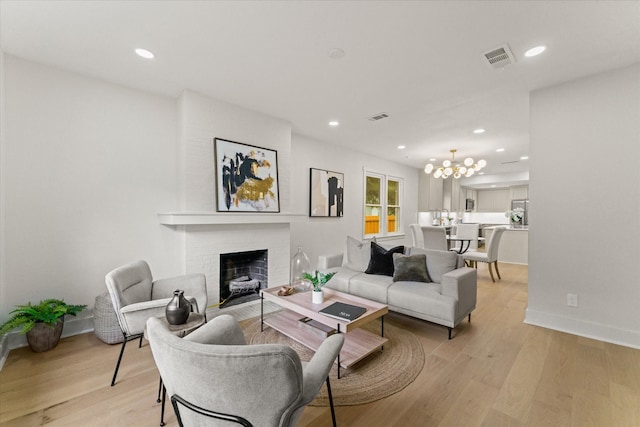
412,268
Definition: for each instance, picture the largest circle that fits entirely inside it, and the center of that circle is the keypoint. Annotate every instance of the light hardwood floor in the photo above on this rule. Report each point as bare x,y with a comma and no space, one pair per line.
497,371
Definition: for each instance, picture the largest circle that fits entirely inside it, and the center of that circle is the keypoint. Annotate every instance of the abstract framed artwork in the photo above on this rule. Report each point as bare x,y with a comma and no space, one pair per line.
326,191
246,178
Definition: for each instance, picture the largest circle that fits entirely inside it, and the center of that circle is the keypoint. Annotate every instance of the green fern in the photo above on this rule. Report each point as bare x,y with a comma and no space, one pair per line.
318,280
47,311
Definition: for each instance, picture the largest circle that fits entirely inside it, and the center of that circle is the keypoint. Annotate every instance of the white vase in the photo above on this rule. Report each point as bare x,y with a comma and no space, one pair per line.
317,297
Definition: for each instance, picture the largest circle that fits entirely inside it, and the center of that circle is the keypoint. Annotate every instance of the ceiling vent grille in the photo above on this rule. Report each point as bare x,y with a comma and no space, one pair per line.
378,116
500,57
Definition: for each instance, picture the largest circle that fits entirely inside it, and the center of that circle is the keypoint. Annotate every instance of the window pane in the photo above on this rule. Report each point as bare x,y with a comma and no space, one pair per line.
392,219
373,191
393,193
372,220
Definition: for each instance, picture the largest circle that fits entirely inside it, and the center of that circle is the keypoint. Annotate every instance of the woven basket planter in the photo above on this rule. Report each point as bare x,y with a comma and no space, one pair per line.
105,322
44,337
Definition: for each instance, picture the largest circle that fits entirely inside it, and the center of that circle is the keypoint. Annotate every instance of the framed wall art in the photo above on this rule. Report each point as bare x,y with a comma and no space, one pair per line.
246,178
326,191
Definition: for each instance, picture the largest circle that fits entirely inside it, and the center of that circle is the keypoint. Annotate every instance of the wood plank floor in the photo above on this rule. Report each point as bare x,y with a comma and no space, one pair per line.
497,371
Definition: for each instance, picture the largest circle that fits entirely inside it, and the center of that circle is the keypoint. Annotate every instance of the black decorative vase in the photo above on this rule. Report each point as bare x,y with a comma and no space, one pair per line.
178,309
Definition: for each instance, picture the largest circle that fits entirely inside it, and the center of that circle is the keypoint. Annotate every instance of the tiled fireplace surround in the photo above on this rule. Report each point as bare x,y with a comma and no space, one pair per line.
205,242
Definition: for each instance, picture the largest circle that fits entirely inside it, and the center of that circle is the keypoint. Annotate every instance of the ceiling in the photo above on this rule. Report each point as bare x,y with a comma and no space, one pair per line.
422,63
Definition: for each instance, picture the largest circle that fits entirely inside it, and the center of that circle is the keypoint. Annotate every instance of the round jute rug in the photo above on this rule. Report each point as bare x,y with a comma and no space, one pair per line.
381,374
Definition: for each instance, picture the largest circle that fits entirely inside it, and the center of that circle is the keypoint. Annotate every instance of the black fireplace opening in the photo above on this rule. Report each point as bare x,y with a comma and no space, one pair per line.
242,275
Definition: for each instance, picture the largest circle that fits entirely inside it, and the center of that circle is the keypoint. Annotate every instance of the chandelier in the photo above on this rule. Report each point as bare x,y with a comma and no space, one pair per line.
449,168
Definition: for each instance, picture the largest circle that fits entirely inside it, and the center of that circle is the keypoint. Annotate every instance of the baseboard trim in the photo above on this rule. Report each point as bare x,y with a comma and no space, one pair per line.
624,337
72,326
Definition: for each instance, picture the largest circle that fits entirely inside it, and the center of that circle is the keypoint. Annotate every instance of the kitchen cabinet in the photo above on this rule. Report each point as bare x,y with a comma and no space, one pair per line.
498,200
435,194
430,197
451,195
519,192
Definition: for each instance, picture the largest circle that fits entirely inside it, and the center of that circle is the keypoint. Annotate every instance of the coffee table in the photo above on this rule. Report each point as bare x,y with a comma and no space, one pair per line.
358,342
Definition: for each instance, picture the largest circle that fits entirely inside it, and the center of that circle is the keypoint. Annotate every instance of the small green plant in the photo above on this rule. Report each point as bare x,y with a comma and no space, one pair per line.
318,280
48,312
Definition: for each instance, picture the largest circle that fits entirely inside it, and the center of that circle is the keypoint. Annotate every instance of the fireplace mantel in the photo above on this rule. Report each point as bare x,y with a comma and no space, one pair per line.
221,218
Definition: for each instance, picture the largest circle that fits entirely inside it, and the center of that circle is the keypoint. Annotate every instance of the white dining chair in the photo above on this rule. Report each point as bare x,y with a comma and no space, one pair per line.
435,238
466,231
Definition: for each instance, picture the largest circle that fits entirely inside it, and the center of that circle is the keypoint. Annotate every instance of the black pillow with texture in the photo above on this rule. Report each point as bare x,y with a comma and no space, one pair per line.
381,261
411,268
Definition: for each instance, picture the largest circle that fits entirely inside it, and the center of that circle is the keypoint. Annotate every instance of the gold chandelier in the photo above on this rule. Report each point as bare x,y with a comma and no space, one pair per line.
449,168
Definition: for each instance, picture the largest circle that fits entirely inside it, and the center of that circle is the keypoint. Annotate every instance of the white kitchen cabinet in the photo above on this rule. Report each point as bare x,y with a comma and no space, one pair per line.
430,193
451,194
498,200
435,194
519,192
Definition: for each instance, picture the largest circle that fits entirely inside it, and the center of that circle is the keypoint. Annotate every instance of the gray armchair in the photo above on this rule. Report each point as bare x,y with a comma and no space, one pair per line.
136,297
211,375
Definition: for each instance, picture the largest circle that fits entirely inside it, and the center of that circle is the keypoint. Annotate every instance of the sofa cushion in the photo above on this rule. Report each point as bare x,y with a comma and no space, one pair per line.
370,286
340,281
356,255
438,262
412,268
381,261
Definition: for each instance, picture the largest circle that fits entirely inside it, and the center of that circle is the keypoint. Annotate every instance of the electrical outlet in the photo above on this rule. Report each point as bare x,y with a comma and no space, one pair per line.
572,300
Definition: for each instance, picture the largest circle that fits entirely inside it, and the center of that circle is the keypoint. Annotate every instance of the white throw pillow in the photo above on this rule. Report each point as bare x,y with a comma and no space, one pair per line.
356,254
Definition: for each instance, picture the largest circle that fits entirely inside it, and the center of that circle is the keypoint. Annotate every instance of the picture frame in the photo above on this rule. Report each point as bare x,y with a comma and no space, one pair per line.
326,193
246,177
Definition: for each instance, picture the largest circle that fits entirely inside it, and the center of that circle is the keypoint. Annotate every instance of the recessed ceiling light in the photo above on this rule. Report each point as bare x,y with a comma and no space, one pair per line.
499,150
432,160
334,123
493,186
480,173
479,131
535,51
401,147
144,53
336,53
524,158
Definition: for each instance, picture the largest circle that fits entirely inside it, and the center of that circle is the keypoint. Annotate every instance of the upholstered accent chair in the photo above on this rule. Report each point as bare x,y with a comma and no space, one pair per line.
211,374
136,297
490,257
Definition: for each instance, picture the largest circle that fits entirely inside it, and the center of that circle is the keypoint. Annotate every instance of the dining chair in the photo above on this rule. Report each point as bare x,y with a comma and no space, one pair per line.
213,374
490,257
466,231
416,234
136,297
434,237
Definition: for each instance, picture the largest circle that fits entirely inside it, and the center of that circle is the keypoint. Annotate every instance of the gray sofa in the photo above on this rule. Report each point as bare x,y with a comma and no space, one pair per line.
446,297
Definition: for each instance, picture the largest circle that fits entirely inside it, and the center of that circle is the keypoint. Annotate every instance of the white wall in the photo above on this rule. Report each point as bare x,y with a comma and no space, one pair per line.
319,236
585,224
86,167
201,120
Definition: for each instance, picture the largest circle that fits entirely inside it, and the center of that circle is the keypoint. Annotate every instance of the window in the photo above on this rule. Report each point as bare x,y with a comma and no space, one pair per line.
382,204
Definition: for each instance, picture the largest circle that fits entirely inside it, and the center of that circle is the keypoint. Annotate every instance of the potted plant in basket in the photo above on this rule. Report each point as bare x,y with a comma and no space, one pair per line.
42,323
318,280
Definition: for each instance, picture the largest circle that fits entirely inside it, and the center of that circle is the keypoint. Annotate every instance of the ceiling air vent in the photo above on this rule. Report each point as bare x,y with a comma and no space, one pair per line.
378,116
500,57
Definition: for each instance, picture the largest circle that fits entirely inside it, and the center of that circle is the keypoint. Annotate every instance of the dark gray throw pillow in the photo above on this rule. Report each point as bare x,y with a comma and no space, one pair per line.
381,261
411,268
